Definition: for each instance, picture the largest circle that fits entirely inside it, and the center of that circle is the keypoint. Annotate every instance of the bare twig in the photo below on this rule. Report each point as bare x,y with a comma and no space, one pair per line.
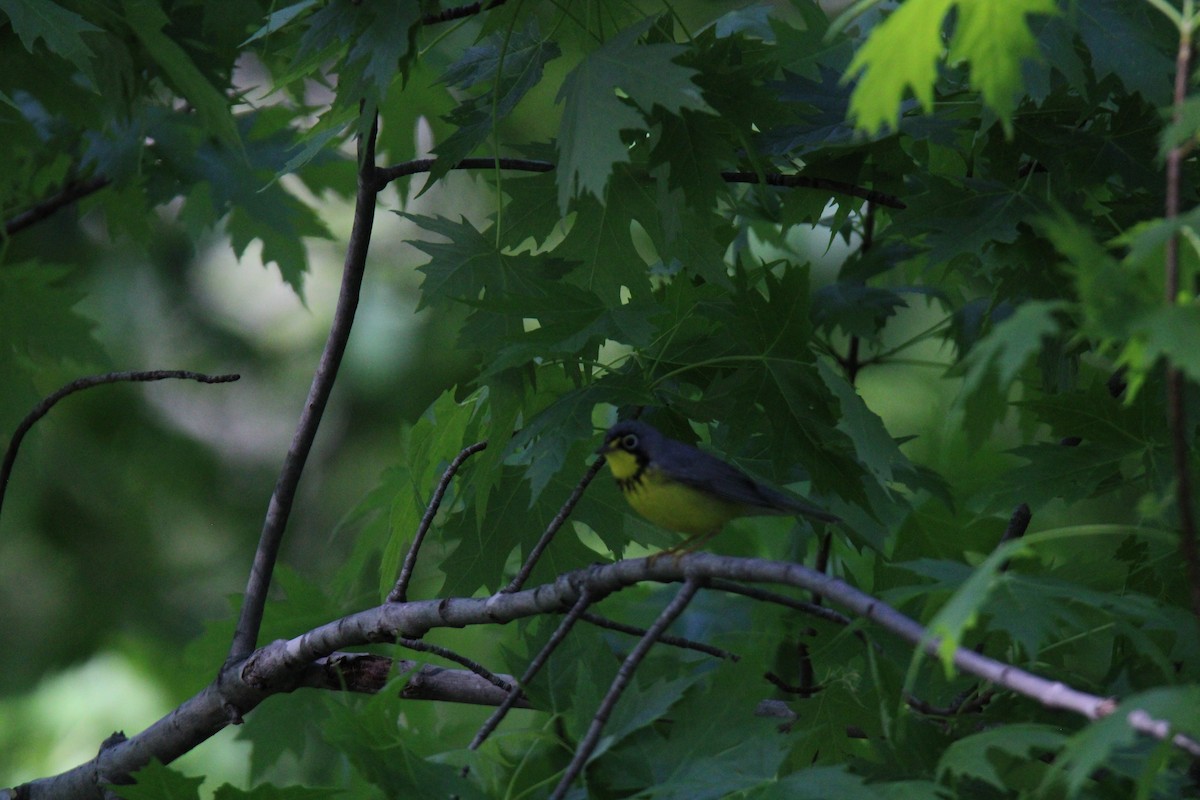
803,181
827,614
70,193
1018,523
43,407
450,655
388,174
673,641
968,702
458,12
789,181
1181,436
399,593
280,506
625,674
551,529
539,660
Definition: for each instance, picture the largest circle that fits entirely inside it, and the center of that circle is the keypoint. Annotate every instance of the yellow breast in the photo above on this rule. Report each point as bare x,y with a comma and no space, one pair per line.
668,503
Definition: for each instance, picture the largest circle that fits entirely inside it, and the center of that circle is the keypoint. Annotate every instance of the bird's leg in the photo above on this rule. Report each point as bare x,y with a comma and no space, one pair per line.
688,545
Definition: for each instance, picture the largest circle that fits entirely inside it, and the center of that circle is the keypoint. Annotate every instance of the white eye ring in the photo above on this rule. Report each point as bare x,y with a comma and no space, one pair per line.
629,441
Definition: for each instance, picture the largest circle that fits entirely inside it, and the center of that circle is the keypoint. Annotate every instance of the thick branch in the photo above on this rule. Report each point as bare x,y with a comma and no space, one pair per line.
43,408
246,635
282,665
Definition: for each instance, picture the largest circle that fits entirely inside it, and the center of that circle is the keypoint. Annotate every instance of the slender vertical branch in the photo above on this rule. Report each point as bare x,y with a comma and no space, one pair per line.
624,675
551,529
279,509
564,627
1181,435
399,593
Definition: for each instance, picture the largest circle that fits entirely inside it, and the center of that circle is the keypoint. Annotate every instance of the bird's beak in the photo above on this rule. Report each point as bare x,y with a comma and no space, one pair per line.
606,447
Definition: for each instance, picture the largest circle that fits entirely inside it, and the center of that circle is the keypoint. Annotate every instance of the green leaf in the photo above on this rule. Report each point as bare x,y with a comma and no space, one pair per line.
62,30
995,38
993,364
385,754
470,266
1124,42
1097,744
269,791
901,54
147,19
158,782
983,756
819,783
961,613
1170,332
406,489
277,20
594,115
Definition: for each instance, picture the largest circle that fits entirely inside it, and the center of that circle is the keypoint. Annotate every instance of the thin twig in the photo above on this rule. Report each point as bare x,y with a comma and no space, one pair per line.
539,660
70,193
43,407
399,593
388,174
279,509
1180,435
551,529
827,614
447,653
968,702
806,688
458,12
803,181
625,674
673,641
1018,523
790,181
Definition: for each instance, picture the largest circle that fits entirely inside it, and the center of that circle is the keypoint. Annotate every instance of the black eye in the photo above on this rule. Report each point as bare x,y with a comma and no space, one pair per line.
629,441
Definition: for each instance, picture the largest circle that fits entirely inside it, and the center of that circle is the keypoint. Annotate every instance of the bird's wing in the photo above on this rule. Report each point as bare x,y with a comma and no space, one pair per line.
696,468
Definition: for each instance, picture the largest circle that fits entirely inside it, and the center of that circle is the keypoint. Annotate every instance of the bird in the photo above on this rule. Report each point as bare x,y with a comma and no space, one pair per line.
682,488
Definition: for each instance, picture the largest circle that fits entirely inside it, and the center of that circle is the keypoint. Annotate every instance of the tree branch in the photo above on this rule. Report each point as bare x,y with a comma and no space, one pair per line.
280,506
673,641
551,529
1181,437
399,593
624,675
78,385
793,180
458,12
76,190
788,181
564,627
388,174
283,665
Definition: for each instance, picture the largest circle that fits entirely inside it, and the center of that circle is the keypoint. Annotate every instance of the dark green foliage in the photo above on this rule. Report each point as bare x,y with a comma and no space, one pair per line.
989,329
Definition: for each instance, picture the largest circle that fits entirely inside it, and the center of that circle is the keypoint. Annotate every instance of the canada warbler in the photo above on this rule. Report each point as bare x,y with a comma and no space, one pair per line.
681,488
